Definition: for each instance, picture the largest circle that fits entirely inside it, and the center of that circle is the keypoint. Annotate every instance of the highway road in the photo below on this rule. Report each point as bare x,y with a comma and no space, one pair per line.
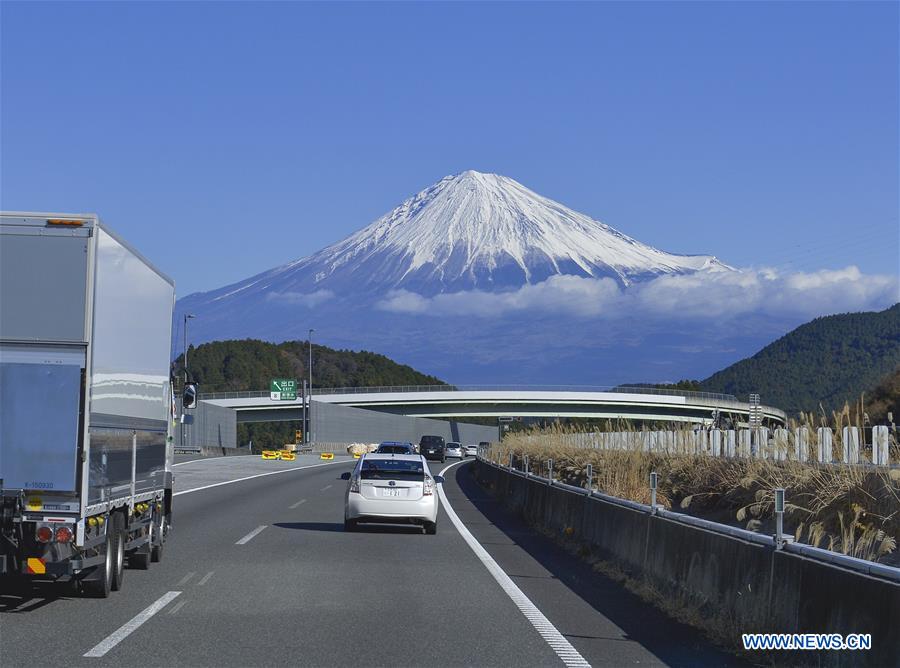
260,572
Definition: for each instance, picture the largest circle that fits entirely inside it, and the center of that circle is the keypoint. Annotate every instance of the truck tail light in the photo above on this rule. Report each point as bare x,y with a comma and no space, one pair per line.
44,534
63,535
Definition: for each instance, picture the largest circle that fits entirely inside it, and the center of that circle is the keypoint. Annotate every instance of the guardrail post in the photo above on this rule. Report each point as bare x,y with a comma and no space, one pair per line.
525,463
779,518
550,471
824,449
510,467
653,483
850,445
715,442
880,445
589,483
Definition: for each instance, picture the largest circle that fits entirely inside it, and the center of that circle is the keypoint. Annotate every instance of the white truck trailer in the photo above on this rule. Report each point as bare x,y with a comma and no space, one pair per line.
86,405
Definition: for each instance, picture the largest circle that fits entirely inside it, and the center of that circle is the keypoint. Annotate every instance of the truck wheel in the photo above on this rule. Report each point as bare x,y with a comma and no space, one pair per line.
118,536
156,542
101,584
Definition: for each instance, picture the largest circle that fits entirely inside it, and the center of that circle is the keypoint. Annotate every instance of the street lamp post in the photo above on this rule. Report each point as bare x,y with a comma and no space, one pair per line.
309,370
187,316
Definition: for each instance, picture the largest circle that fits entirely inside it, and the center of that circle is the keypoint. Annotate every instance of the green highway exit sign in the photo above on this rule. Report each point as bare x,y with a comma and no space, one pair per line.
283,389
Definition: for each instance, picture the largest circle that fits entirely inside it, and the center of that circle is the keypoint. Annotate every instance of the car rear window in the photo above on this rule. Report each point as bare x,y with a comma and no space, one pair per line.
431,441
392,469
394,449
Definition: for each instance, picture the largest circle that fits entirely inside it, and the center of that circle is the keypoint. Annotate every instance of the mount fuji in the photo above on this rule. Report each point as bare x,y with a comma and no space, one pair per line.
472,233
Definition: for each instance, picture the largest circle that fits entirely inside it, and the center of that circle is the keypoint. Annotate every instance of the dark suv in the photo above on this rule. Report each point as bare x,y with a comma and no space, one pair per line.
432,447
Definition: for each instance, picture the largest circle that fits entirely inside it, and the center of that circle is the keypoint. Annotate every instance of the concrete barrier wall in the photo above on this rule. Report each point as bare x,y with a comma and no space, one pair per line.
730,581
332,423
212,427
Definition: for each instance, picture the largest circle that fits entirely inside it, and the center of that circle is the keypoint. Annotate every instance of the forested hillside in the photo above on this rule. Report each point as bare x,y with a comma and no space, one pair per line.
827,361
228,366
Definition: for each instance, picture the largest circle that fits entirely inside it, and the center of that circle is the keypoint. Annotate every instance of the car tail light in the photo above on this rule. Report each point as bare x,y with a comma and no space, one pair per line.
44,534
63,535
354,484
429,486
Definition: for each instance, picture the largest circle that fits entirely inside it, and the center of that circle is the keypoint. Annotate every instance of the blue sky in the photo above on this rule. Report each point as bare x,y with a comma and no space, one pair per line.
223,139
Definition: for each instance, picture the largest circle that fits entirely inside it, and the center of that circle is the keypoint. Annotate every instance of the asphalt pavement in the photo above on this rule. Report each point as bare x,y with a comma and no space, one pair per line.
260,572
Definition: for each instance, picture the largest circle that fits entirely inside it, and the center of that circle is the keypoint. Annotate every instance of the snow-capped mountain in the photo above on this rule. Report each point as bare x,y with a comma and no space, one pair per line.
468,231
467,238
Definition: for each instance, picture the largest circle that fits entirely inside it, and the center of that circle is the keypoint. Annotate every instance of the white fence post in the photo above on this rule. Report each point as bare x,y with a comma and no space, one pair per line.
744,443
880,443
760,442
825,440
715,442
801,443
850,444
702,442
729,443
782,438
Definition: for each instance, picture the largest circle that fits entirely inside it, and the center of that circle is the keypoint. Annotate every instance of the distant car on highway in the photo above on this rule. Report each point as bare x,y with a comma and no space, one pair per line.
432,447
453,449
391,489
471,450
395,448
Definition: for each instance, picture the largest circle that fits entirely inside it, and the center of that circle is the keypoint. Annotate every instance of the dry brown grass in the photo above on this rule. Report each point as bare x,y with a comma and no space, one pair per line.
849,509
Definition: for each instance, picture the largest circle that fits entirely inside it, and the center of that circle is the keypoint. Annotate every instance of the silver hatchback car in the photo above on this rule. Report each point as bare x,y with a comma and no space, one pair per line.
391,489
454,449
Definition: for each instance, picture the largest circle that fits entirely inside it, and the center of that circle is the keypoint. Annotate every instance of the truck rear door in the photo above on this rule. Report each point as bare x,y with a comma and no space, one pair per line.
43,299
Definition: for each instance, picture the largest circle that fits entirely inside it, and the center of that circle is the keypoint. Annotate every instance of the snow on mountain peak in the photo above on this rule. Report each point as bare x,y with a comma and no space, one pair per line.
466,227
468,231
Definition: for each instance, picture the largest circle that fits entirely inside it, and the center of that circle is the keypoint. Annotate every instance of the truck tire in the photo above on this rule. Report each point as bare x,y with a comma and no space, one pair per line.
117,527
101,585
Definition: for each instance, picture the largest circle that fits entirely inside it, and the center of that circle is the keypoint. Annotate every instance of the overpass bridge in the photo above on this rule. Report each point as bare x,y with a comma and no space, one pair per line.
443,401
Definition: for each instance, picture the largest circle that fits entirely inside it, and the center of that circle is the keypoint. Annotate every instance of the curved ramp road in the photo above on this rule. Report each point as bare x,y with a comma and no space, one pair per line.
260,572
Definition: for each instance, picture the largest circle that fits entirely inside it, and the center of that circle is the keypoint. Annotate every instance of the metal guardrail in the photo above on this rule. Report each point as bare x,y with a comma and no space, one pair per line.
621,389
872,568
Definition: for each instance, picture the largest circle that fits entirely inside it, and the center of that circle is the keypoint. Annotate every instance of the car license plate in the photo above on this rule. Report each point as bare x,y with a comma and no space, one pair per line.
431,452
392,492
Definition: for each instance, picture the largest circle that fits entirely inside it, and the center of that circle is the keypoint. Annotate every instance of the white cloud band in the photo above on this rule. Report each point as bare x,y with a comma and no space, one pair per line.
714,295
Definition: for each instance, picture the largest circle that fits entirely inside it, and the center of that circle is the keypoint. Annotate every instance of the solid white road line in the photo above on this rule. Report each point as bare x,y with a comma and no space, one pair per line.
558,643
203,459
301,501
246,539
129,627
258,475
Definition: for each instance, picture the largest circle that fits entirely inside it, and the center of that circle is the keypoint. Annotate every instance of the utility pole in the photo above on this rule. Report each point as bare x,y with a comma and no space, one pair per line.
187,316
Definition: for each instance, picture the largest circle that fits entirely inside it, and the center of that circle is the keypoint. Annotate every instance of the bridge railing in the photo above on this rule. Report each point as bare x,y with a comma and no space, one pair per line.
623,389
